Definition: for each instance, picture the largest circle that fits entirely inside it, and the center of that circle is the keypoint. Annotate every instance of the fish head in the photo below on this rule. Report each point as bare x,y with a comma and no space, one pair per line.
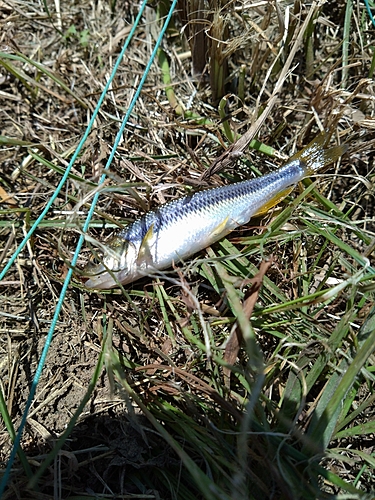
111,264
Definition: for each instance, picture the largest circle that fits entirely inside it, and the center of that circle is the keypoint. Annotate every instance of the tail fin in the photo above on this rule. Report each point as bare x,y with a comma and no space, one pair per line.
316,157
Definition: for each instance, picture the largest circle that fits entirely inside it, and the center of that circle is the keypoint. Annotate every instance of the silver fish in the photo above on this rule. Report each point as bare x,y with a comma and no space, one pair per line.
181,228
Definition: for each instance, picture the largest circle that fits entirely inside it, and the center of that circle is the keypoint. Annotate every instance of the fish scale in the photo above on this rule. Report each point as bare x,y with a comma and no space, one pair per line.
183,227
215,199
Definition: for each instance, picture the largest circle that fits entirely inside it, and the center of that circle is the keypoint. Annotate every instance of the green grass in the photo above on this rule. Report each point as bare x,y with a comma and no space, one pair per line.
230,391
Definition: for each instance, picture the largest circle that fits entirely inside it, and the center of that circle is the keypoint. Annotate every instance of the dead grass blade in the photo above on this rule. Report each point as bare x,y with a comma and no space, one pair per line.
235,339
31,82
236,150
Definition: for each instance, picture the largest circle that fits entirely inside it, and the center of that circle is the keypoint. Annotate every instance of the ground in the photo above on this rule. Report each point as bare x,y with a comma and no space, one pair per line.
152,391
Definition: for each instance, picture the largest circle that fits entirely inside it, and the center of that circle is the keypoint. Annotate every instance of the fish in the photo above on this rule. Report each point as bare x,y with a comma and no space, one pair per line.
181,228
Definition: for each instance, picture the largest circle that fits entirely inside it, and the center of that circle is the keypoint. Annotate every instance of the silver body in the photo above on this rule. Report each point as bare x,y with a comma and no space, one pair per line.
183,227
186,226
179,229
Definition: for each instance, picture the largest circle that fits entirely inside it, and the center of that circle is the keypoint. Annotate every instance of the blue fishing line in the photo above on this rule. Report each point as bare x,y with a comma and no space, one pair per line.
5,478
369,12
78,150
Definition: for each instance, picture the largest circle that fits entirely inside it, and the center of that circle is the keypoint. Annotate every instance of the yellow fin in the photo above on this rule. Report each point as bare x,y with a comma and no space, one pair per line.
316,156
220,230
144,255
273,201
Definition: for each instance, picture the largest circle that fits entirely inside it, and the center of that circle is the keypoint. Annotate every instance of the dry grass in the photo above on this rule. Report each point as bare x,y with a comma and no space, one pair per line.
165,419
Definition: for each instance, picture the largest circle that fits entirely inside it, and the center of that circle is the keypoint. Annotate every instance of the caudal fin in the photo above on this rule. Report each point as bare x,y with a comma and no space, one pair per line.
316,156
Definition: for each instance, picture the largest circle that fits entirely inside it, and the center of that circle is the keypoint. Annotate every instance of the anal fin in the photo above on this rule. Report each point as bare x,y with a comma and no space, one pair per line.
220,230
273,201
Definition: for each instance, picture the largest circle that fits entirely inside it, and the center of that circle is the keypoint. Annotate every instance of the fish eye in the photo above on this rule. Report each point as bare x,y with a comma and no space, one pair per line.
96,258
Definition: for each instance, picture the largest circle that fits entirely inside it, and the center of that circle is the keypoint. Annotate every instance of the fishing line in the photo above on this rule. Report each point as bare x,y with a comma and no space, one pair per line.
39,369
369,12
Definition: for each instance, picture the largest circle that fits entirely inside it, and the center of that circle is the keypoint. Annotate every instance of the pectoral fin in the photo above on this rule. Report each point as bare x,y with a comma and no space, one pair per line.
144,253
273,201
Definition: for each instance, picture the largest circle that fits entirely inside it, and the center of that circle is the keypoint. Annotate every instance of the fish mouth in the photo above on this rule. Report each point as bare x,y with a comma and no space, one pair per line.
101,276
108,279
102,281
